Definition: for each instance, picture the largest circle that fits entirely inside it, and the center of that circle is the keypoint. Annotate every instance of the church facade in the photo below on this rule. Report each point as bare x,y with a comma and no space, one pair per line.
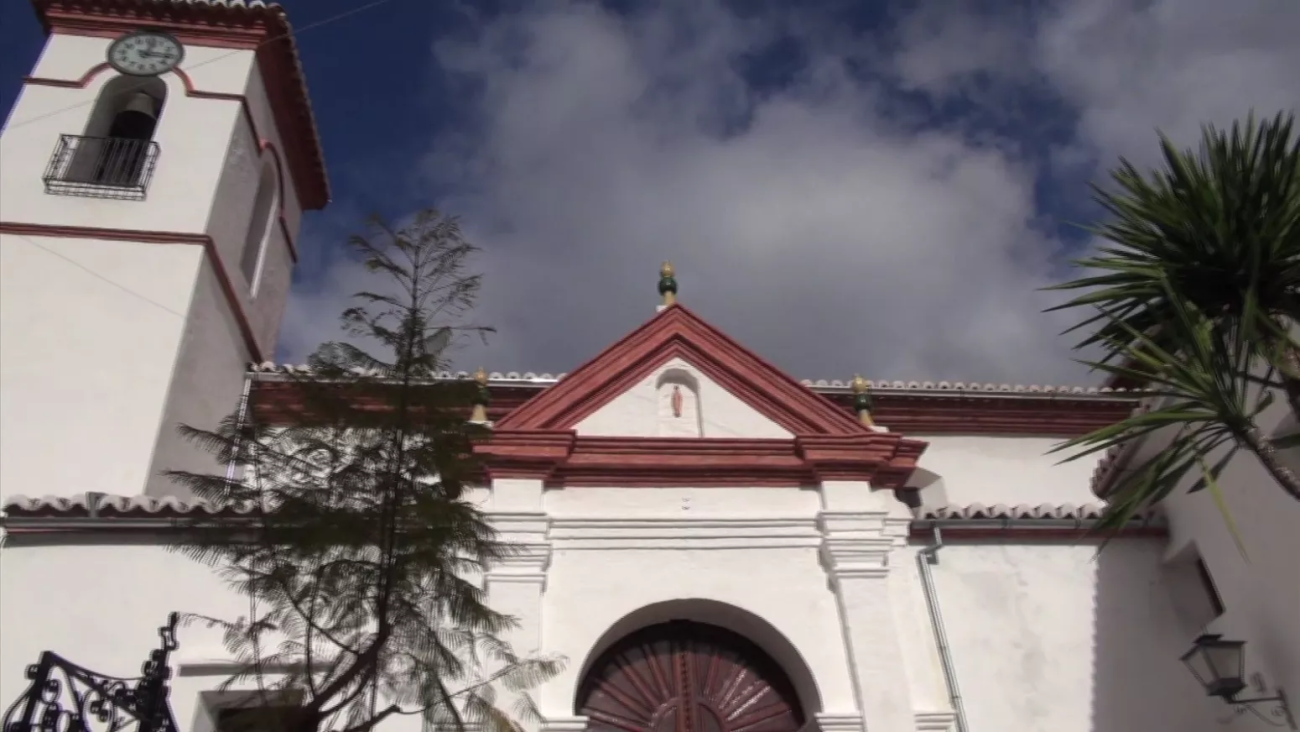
713,545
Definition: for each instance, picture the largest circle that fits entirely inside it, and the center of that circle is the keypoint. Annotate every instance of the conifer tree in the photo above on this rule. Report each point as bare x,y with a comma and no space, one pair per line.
348,526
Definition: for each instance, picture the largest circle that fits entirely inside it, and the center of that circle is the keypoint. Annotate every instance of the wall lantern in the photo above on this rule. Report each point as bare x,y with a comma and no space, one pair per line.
1220,666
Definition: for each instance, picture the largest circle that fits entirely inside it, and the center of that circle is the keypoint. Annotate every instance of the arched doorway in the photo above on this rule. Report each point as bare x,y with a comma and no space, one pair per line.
684,676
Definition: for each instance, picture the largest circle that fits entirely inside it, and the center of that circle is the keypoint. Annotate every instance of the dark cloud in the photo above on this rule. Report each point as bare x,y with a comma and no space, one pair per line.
806,216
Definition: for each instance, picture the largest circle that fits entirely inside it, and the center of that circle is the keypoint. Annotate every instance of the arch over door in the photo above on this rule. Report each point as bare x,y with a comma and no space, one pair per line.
687,677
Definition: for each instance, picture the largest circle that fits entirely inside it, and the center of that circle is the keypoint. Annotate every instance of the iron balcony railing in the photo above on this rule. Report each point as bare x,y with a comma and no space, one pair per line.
101,167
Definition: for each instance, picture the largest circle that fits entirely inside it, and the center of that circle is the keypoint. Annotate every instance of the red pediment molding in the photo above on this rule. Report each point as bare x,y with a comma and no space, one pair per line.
676,332
538,439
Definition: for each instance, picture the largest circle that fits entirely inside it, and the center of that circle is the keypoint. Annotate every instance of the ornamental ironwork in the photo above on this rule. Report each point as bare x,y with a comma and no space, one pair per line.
64,697
101,167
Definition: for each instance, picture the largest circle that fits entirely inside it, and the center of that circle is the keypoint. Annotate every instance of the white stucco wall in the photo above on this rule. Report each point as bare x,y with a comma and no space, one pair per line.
124,591
1260,588
232,207
132,338
91,332
1057,637
965,469
1044,636
191,135
639,412
205,387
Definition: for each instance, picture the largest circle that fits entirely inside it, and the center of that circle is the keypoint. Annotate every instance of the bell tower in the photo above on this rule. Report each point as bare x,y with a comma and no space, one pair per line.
157,163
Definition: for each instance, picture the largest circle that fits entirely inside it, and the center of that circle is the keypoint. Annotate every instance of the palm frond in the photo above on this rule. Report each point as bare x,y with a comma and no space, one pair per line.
1203,399
1220,225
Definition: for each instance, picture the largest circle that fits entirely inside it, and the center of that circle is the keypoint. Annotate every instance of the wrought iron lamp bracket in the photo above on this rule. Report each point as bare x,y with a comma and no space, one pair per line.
1276,709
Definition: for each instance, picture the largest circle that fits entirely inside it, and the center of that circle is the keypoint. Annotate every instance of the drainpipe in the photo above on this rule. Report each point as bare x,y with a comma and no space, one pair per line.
924,558
239,425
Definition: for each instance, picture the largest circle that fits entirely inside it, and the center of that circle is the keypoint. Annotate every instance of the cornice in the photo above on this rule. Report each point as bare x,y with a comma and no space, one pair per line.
122,515
565,459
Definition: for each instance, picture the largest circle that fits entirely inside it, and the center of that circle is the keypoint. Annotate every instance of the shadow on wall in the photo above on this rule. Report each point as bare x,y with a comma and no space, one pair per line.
1141,628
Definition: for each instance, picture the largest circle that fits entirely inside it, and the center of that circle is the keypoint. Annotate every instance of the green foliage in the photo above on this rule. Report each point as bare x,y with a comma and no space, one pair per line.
353,542
1203,398
1194,298
1219,231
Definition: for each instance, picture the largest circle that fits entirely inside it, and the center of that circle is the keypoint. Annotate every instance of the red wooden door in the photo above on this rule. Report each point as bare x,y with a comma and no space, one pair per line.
687,677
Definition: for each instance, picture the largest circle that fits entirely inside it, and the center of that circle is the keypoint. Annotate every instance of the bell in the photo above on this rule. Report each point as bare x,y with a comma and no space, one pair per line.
137,119
141,103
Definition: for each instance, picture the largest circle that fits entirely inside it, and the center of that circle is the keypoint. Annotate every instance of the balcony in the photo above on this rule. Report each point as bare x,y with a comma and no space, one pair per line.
101,167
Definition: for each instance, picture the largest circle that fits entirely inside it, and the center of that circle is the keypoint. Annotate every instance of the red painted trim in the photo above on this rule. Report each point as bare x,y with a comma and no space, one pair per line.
81,83
563,459
267,146
84,22
154,237
265,29
677,332
917,414
537,439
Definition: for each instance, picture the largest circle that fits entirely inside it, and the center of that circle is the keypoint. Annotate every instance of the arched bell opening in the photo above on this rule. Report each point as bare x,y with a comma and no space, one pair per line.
117,146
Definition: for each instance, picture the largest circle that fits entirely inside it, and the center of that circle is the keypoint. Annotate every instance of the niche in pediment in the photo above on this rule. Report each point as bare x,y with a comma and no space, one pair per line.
677,401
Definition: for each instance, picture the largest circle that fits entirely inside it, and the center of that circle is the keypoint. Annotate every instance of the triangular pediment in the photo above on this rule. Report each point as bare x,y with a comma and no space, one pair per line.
722,387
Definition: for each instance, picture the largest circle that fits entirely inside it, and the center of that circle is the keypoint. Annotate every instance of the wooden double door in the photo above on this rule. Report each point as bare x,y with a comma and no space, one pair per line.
687,677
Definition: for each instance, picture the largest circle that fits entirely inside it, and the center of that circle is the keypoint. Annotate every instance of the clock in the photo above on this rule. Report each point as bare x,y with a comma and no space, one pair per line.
145,53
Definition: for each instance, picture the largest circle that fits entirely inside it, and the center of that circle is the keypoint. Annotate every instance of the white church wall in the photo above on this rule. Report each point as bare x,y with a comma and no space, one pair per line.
233,207
91,331
592,586
205,386
707,409
82,340
259,106
188,165
1057,637
1007,470
99,601
1259,583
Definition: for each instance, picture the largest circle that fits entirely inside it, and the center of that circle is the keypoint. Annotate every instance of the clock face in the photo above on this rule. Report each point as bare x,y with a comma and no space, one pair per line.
145,53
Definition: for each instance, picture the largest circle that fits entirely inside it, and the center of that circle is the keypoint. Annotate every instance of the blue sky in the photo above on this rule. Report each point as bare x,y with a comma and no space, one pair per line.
844,186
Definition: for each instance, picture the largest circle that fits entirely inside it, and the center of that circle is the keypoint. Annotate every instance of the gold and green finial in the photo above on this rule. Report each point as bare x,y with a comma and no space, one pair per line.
668,284
482,396
862,402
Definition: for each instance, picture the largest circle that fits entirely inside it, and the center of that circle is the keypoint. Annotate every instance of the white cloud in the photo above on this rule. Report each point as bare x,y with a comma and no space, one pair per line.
822,232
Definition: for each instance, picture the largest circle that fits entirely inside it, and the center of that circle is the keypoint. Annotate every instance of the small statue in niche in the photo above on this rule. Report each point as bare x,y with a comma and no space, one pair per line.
676,401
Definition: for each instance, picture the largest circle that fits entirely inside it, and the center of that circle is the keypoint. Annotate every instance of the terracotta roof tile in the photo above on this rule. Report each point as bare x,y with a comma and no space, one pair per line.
822,385
147,507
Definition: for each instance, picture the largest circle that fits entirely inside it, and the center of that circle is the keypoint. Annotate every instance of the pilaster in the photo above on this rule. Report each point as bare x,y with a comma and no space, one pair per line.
861,533
516,583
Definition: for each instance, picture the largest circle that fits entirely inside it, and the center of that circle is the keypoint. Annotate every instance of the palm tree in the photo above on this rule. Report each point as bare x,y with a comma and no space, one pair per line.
1220,230
1195,297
